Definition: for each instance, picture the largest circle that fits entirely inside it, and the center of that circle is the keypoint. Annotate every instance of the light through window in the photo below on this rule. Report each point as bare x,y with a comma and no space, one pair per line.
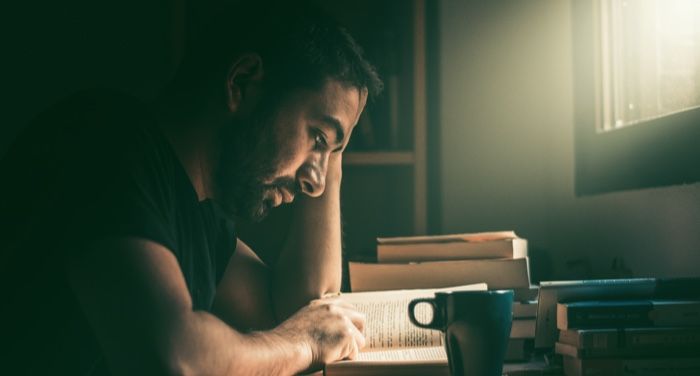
647,60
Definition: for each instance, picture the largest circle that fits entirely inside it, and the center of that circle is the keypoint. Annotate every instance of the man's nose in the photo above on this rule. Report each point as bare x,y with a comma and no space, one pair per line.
312,176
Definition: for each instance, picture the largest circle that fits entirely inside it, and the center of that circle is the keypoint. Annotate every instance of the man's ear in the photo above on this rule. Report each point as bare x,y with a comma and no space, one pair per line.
242,79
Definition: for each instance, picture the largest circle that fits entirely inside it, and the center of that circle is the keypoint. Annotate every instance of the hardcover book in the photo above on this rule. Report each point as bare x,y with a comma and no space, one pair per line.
632,366
485,245
553,292
636,338
497,273
628,313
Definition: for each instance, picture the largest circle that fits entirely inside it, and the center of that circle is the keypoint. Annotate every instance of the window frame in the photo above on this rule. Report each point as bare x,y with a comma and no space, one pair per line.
659,152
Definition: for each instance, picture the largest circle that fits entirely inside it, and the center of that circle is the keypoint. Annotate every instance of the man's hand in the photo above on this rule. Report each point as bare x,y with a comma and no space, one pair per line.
330,329
335,168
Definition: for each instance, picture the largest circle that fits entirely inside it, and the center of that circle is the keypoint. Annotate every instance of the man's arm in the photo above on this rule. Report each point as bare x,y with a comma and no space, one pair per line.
243,295
135,297
310,265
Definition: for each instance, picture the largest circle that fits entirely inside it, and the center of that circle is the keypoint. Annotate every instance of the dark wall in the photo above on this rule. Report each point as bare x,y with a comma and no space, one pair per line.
53,48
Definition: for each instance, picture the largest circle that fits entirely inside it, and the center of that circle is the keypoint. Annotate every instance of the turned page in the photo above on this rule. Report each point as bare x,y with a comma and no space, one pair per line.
436,353
387,325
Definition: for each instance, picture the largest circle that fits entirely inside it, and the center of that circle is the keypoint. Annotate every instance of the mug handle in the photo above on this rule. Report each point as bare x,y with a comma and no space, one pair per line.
434,323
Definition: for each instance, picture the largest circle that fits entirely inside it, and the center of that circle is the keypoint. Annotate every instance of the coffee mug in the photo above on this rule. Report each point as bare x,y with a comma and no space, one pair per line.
476,326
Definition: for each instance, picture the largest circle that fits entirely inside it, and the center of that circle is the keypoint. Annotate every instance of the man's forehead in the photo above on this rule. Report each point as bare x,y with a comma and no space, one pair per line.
340,101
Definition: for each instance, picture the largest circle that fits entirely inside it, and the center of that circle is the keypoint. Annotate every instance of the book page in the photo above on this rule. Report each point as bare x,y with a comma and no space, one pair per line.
473,237
387,325
422,353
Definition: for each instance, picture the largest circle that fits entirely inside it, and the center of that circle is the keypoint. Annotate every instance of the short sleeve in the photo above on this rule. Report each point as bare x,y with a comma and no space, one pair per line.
118,183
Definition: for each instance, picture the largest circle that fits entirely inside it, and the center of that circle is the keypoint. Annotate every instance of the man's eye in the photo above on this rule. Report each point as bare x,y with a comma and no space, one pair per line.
320,140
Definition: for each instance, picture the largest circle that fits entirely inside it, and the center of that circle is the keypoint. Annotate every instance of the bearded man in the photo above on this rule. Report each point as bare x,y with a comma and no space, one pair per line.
119,248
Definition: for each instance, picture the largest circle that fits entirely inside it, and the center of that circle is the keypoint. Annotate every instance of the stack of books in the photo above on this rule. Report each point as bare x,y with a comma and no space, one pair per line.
522,333
498,259
629,337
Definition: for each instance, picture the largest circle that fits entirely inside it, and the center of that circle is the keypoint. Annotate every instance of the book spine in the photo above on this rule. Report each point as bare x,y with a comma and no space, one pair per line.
674,337
637,367
597,316
633,338
626,352
644,314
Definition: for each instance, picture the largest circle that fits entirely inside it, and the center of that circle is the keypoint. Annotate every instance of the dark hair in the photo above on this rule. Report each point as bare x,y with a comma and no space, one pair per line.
300,45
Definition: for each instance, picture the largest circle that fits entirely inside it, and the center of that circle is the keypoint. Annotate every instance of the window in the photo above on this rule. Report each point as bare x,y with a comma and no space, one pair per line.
649,53
637,93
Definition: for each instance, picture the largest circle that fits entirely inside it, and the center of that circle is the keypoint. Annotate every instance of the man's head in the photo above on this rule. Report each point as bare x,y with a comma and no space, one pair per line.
295,84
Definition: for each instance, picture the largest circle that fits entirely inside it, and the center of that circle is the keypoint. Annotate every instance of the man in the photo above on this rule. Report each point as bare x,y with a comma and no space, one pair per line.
119,251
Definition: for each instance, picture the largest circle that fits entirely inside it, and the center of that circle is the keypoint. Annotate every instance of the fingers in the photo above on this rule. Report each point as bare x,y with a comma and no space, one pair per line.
356,318
357,341
354,351
358,337
347,309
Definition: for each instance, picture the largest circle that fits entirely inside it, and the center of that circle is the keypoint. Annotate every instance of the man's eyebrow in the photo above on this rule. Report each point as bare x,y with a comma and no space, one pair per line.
335,124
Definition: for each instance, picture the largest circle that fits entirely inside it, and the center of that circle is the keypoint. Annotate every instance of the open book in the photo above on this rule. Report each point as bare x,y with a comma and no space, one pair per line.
394,345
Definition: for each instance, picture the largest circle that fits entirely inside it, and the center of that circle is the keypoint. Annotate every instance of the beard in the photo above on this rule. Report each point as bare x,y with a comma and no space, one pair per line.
249,158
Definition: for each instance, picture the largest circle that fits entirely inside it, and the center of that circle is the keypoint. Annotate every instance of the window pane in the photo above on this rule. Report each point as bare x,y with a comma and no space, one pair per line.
649,60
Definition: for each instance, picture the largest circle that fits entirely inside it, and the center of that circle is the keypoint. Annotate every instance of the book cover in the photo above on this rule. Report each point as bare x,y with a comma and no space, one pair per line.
498,274
491,245
553,292
632,366
628,313
654,338
626,352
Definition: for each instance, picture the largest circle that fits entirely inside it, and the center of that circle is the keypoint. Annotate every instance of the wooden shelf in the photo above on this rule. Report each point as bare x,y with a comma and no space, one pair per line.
378,158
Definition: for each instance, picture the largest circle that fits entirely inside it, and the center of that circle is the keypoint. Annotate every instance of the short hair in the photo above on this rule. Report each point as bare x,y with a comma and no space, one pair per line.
300,45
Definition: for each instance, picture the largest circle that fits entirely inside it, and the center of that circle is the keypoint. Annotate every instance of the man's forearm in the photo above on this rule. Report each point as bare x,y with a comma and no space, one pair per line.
310,265
203,343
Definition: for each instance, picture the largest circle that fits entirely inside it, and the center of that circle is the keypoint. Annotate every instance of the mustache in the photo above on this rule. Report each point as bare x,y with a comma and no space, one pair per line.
284,182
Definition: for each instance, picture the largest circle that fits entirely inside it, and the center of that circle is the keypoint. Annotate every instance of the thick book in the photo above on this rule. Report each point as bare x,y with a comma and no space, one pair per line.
485,245
497,273
626,352
553,292
628,313
394,346
632,338
683,366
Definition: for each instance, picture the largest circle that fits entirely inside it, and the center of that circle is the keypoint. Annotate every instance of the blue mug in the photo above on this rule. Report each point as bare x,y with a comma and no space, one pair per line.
476,325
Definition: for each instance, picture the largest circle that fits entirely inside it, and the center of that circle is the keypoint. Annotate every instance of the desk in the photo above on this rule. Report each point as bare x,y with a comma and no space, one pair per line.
533,368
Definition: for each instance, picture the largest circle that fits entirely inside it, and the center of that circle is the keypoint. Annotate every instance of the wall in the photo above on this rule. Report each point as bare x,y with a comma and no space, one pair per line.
506,155
52,49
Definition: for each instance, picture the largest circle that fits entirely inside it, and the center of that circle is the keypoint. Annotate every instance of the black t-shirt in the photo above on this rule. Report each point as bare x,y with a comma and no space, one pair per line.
96,166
